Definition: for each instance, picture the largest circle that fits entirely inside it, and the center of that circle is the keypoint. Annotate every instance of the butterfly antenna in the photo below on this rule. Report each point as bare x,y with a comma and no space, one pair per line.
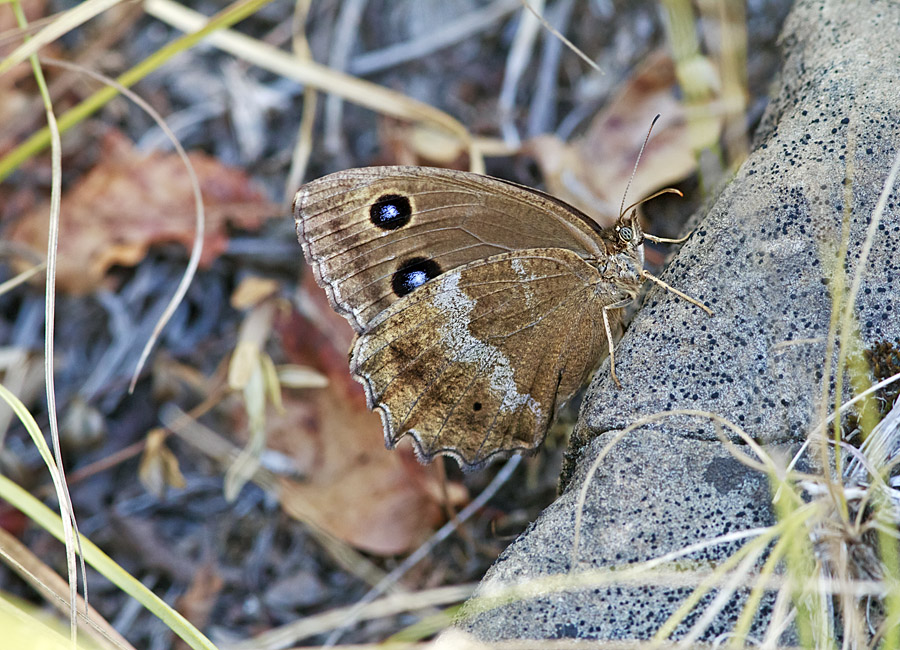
665,190
634,171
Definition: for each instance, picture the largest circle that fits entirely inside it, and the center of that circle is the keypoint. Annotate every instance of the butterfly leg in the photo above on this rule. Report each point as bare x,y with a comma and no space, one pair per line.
667,240
681,295
609,337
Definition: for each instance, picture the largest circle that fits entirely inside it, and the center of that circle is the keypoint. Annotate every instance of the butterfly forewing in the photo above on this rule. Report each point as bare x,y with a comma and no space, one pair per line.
477,361
373,234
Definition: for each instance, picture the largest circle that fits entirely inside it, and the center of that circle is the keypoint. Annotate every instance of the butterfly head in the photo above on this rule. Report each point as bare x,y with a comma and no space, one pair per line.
629,237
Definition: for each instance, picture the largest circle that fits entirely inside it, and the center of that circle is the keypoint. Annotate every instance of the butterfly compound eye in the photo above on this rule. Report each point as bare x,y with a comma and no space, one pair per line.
626,234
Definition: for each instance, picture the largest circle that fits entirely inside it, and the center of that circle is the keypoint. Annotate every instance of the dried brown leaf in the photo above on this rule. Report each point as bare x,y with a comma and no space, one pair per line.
130,201
419,144
158,469
377,500
197,602
252,290
591,172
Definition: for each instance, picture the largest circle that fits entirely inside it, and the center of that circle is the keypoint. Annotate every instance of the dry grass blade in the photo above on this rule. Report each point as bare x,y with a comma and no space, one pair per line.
766,464
283,636
536,10
304,146
346,29
70,525
222,451
732,17
466,26
22,278
728,590
49,521
293,376
55,591
62,24
199,221
393,578
819,429
23,376
856,537
520,53
39,140
323,78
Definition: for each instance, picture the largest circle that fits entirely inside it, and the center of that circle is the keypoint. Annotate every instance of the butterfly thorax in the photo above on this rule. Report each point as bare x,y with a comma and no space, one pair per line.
622,268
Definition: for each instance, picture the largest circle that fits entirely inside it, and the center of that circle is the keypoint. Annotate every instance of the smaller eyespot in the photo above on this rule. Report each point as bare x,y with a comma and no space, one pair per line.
476,406
412,274
626,234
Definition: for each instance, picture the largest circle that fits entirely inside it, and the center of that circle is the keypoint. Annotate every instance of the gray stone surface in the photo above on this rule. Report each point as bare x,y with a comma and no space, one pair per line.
763,255
651,496
762,259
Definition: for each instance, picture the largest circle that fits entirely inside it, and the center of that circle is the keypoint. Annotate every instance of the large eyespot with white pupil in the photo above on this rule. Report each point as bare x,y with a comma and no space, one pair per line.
626,234
390,211
412,274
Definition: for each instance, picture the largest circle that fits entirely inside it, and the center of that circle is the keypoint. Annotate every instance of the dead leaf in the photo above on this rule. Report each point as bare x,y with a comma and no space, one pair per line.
377,500
255,330
293,376
131,201
13,520
177,382
158,469
197,602
252,290
403,143
83,426
591,172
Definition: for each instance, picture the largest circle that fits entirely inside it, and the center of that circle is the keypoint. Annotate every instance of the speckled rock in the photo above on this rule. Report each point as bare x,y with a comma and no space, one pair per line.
631,514
762,258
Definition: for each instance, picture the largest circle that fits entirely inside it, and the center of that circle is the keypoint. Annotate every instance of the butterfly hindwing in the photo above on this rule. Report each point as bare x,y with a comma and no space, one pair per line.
477,361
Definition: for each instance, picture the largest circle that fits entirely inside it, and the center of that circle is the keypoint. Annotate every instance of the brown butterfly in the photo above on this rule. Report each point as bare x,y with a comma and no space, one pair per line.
481,306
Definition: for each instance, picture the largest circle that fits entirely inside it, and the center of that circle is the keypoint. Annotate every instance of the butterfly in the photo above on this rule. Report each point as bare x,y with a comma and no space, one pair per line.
480,305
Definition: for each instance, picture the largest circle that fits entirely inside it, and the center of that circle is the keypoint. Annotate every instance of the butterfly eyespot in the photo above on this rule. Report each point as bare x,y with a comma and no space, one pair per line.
412,274
390,211
626,234
476,406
